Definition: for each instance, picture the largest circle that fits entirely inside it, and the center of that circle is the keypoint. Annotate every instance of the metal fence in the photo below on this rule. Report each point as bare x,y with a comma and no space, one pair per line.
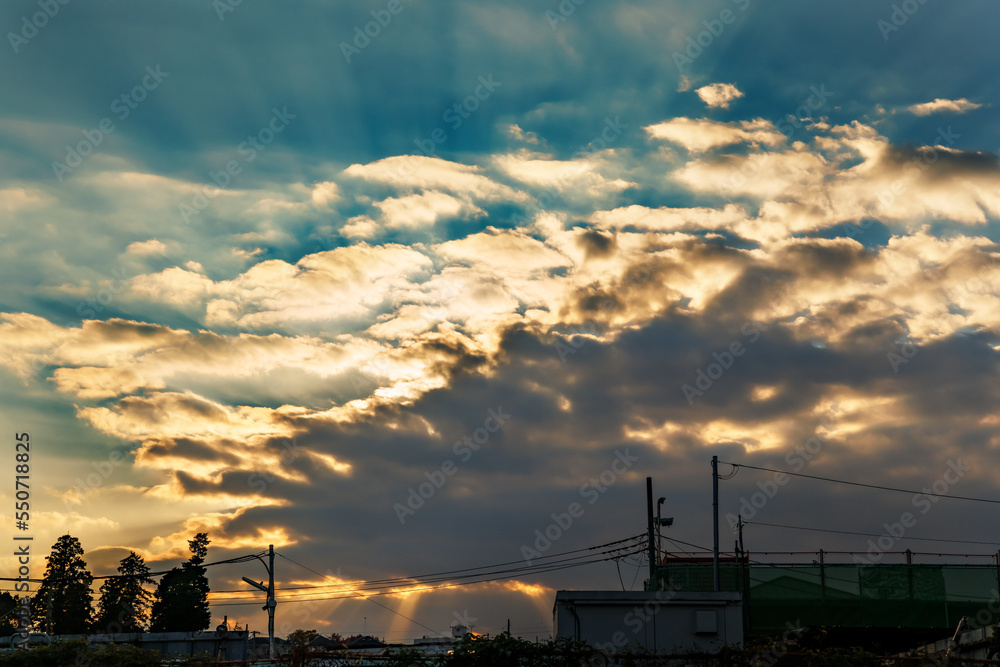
847,589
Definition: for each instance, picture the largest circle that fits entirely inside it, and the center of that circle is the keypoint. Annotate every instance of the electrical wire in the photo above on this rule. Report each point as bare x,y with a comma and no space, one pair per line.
635,578
537,570
736,469
464,573
238,559
373,601
849,532
868,486
415,590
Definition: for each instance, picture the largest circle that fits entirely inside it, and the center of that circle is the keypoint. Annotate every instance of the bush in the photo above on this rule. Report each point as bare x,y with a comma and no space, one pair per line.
76,653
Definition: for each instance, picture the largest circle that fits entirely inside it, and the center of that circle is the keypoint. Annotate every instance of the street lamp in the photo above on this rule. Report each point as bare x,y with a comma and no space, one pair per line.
271,602
667,521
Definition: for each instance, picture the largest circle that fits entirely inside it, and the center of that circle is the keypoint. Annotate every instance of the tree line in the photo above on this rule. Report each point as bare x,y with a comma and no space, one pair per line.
64,602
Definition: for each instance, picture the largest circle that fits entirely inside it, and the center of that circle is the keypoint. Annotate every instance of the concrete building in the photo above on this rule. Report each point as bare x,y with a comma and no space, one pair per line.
664,622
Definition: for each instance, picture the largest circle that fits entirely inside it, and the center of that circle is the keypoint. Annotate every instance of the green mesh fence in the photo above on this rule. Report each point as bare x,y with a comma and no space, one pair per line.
846,595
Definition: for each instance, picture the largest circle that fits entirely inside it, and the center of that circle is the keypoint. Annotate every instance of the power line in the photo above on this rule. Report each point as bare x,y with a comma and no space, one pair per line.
375,586
869,486
238,559
440,586
464,573
374,601
849,532
379,587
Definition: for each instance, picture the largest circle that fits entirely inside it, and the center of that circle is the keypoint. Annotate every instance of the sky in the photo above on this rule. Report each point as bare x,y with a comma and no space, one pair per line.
399,286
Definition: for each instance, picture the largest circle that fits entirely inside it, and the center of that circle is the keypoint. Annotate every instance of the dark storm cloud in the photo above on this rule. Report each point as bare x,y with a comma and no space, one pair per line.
191,450
940,164
597,244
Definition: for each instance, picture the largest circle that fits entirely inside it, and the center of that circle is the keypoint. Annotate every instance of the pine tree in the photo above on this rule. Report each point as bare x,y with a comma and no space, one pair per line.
181,603
65,590
124,600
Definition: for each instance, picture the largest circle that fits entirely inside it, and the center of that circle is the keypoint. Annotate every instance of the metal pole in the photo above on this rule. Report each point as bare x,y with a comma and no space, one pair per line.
270,601
649,521
715,522
744,562
659,535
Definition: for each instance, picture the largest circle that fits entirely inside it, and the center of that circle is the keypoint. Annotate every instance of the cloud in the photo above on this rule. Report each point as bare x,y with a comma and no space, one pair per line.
515,132
939,105
419,171
560,175
150,247
668,219
701,135
426,208
337,284
325,194
719,95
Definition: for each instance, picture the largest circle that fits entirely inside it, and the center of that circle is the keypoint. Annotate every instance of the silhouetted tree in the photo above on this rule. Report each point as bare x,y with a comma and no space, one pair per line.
65,589
8,614
302,637
181,601
125,600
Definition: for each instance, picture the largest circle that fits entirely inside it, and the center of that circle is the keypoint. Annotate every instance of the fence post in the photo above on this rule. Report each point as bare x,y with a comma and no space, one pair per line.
822,575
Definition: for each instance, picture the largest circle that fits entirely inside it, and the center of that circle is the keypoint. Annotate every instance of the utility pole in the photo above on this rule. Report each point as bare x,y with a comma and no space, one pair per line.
649,517
715,522
271,603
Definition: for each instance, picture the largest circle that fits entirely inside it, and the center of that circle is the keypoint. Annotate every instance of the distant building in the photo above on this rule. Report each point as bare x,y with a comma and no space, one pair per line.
366,642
